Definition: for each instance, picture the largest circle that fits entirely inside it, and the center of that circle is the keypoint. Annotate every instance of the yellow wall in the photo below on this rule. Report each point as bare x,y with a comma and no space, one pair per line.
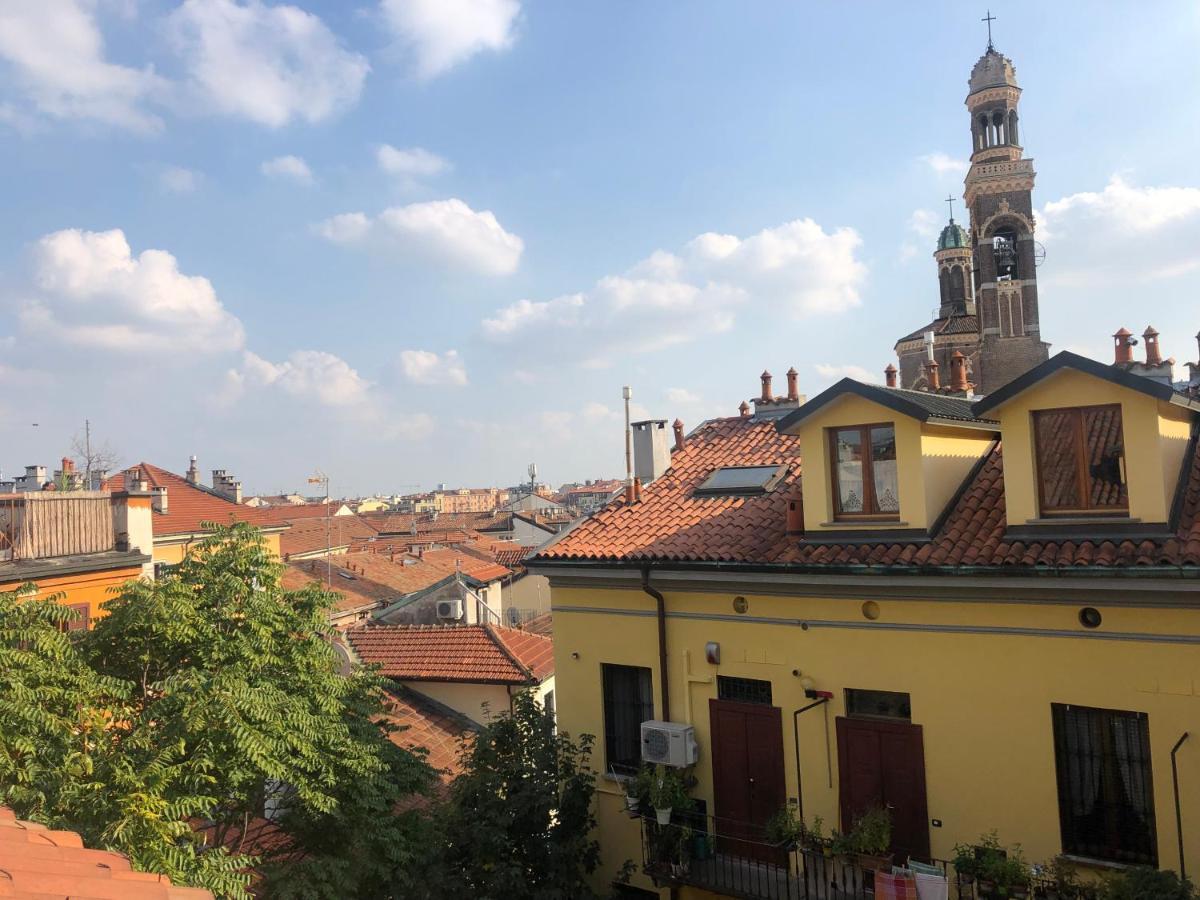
171,549
932,462
982,699
478,702
1155,438
92,588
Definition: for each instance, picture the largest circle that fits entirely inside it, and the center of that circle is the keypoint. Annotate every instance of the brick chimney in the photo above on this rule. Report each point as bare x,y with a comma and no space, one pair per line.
889,375
1153,354
1123,347
766,395
768,406
68,466
793,384
958,373
677,427
744,409
932,377
226,486
193,473
158,499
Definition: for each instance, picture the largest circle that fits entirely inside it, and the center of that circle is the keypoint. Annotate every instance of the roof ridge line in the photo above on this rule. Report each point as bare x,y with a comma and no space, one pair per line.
498,640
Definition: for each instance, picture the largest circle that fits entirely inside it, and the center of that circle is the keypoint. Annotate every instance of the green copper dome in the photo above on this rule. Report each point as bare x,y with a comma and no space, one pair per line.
953,237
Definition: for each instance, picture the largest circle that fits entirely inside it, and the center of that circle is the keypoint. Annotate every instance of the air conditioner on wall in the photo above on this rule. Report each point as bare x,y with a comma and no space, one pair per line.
669,744
449,609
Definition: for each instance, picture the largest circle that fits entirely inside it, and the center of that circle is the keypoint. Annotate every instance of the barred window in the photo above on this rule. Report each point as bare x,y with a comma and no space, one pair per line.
744,690
1105,789
628,702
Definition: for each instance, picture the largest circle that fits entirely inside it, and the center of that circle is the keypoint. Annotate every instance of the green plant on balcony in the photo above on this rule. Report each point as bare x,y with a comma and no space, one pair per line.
785,828
668,792
1145,883
1009,873
1060,881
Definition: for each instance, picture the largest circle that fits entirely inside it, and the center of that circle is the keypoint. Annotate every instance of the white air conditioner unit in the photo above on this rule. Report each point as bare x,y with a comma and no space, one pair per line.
449,609
669,744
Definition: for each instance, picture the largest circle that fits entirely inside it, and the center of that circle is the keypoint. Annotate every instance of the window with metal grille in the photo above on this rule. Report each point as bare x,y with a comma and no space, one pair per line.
1105,789
628,702
744,690
878,704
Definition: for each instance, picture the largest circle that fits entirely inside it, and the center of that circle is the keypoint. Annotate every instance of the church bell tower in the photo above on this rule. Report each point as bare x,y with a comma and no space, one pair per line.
999,198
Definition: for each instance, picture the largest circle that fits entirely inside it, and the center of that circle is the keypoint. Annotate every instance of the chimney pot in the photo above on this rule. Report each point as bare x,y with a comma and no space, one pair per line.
637,490
792,383
958,372
889,375
744,410
1122,347
931,375
158,499
766,386
677,427
1153,354
795,512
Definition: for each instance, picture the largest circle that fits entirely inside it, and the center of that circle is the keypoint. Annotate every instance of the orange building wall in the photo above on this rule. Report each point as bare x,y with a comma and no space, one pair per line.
92,588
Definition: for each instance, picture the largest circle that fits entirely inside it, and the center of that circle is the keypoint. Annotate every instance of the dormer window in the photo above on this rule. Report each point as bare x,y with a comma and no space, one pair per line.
1081,461
865,480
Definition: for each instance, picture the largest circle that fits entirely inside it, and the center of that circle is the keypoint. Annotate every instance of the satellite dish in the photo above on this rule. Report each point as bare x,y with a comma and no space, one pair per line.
1039,253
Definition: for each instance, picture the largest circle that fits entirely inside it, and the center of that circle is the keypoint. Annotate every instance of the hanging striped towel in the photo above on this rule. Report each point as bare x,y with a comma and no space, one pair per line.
895,887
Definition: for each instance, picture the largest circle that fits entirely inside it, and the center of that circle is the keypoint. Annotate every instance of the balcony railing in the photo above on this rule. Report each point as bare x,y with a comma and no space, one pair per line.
46,524
733,860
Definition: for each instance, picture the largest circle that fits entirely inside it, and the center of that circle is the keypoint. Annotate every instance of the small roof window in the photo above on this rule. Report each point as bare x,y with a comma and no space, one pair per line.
740,481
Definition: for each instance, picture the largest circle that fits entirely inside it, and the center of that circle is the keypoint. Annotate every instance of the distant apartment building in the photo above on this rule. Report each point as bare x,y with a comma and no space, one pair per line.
590,496
469,500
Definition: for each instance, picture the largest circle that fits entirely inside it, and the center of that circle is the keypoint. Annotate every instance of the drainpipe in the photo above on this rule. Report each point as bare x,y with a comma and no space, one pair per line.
661,606
821,701
1178,810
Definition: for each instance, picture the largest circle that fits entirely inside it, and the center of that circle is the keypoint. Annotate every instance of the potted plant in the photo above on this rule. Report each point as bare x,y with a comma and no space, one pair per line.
988,855
1011,874
966,868
785,829
1144,883
871,839
668,792
814,838
1060,882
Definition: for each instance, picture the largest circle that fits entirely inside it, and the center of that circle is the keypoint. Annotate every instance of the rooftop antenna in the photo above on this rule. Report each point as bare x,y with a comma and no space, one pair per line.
989,18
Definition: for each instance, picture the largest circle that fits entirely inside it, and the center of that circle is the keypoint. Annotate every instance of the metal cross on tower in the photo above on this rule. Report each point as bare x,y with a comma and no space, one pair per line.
950,200
989,18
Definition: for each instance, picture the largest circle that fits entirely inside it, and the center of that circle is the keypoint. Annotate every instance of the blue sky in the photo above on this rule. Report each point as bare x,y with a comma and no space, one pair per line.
412,241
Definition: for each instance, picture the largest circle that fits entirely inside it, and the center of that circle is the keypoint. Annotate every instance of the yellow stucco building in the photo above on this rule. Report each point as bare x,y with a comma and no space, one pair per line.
979,614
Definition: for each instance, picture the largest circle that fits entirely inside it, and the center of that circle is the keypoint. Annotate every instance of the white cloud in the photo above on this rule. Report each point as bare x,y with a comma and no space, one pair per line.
309,375
444,33
292,167
179,180
924,222
448,230
268,64
90,290
1123,235
944,164
556,424
58,63
670,299
413,162
427,367
682,395
837,372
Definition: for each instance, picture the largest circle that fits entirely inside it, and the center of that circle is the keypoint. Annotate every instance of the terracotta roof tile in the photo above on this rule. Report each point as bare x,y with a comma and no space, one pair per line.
309,535
431,726
467,653
190,505
36,862
672,524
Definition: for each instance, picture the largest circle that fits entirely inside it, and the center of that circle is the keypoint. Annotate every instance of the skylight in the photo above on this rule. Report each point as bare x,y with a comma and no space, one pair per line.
740,480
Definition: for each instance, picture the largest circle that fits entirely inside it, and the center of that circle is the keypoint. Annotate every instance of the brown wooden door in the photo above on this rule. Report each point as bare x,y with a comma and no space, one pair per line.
883,763
748,780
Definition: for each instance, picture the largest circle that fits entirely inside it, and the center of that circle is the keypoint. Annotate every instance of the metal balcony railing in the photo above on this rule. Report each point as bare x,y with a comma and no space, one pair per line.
734,859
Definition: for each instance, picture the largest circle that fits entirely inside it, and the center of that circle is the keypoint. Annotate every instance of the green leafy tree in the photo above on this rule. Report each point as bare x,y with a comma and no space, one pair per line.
519,820
1145,883
213,697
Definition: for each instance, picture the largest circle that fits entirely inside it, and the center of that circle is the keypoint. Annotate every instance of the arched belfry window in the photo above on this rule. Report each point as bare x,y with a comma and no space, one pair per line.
944,283
998,126
1004,249
958,290
984,133
1012,127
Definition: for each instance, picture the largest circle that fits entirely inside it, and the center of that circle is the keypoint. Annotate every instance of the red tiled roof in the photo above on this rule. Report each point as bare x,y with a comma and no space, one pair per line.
389,523
482,654
949,325
309,535
670,524
430,726
189,505
37,863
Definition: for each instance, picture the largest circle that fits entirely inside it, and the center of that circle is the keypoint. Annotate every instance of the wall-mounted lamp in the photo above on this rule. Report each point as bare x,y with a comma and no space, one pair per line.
712,653
575,654
811,692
